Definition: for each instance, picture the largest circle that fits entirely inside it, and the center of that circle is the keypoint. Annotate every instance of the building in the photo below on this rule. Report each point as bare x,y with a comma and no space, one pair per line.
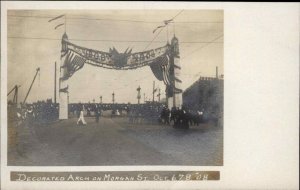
206,94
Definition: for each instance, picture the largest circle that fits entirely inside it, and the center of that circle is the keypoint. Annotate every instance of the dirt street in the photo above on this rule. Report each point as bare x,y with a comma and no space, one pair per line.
113,141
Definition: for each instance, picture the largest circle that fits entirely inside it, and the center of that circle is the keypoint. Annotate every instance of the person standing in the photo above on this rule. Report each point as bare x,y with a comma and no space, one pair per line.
81,119
29,114
97,115
173,115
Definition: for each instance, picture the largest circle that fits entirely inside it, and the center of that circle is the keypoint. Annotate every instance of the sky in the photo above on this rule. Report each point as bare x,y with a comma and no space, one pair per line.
33,42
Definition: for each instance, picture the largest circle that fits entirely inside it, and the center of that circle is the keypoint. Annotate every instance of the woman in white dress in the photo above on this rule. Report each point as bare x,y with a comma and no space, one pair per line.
81,118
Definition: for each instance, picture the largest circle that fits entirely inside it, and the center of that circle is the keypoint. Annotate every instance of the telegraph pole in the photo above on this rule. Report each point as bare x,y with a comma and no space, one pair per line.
144,97
158,95
100,99
55,83
139,94
113,97
16,95
153,92
37,71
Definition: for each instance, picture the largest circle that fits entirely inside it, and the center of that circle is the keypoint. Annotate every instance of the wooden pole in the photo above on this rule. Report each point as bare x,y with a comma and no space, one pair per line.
139,94
55,83
159,95
37,71
153,92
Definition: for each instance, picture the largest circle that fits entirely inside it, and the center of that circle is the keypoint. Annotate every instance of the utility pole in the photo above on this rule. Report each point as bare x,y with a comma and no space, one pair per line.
158,95
55,83
15,89
37,71
113,97
139,94
153,92
216,72
100,99
16,96
144,97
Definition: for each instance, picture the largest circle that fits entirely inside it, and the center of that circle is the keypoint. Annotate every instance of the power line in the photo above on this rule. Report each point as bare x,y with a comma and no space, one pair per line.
177,14
153,39
85,18
117,20
102,40
203,46
162,29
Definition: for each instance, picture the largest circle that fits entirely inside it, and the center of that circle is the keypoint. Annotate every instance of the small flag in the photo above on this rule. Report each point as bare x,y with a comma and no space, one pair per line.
166,22
64,89
158,28
59,26
56,18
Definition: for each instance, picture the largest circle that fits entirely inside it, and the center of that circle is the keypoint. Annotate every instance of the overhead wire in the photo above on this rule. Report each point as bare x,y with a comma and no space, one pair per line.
162,29
115,20
103,40
206,44
122,41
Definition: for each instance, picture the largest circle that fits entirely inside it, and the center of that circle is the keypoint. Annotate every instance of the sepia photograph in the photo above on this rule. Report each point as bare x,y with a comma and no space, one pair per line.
115,87
149,95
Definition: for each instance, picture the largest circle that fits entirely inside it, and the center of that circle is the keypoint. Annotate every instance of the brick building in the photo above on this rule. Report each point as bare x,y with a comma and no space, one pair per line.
207,94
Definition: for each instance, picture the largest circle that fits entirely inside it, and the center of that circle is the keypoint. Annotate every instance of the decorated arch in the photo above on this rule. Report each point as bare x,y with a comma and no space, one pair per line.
164,62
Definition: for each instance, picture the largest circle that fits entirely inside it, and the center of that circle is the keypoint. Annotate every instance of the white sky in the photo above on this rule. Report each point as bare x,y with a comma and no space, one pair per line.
25,55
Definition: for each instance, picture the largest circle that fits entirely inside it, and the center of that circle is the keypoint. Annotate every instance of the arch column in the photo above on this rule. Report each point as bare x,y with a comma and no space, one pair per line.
63,85
177,84
177,89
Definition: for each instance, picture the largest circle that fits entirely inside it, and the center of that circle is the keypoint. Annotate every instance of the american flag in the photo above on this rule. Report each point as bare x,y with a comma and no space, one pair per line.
73,62
165,65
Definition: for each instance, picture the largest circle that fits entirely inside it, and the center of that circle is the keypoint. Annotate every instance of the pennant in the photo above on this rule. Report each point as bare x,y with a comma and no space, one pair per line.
59,26
56,18
158,28
64,89
168,21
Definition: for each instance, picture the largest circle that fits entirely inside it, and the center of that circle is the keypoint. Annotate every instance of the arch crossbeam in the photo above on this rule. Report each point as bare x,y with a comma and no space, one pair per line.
113,59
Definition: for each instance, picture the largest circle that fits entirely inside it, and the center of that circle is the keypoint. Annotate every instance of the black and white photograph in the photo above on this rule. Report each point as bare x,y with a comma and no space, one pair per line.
115,87
149,95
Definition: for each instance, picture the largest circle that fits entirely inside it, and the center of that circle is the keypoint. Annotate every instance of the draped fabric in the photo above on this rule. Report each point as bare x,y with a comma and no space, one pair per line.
73,62
160,68
113,59
76,56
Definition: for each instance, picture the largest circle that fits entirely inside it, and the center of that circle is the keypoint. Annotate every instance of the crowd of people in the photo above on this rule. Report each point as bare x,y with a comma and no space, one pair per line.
90,109
149,113
144,113
181,117
177,117
38,112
